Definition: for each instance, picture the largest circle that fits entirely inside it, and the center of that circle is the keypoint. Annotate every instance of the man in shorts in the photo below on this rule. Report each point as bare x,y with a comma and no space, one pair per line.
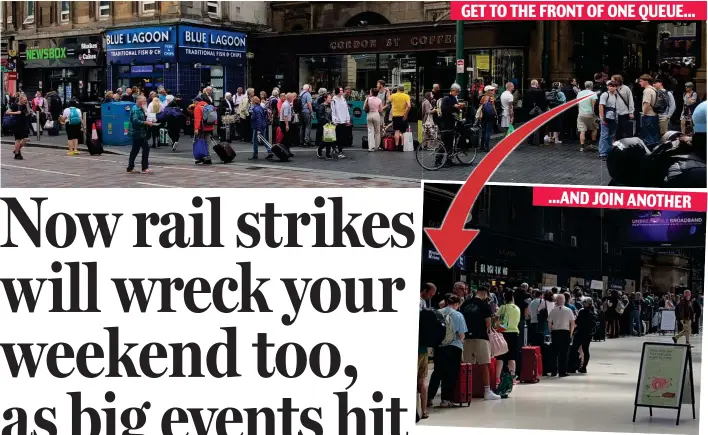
478,316
400,106
586,115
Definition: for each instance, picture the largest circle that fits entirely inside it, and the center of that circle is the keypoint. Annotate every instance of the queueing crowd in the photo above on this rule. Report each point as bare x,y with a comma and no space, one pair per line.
562,323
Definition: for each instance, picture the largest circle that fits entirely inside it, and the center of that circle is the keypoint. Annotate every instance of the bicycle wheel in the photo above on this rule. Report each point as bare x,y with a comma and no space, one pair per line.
466,154
431,155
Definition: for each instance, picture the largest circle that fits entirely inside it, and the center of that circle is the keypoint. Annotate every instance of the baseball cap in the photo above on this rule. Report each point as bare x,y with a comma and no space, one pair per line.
699,118
489,88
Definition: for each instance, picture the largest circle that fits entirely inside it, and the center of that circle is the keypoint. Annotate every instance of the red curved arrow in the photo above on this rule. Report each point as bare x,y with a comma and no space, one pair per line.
451,239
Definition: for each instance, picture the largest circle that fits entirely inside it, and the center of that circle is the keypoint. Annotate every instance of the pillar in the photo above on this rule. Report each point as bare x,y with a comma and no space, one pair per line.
561,51
700,79
535,70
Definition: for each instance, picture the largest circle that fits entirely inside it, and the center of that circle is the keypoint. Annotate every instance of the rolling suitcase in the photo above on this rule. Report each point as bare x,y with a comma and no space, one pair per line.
465,382
280,152
365,143
95,148
573,359
599,334
532,366
548,360
225,152
478,385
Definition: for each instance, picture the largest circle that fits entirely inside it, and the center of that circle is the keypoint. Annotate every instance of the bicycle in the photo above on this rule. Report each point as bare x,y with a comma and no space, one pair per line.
465,143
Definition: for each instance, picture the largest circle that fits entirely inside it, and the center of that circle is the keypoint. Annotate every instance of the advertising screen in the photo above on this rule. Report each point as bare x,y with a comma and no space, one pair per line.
666,228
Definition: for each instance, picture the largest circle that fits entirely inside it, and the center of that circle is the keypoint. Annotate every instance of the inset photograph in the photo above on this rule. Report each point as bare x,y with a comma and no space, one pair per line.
594,312
340,94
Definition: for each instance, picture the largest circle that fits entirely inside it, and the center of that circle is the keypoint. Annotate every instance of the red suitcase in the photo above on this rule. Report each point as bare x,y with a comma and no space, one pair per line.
463,389
478,385
389,144
531,364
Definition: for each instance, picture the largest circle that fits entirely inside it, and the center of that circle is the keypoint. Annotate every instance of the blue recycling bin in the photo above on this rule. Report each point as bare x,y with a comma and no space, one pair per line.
115,123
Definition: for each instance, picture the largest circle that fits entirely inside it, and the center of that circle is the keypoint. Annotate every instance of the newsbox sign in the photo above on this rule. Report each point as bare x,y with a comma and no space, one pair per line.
211,46
61,52
141,45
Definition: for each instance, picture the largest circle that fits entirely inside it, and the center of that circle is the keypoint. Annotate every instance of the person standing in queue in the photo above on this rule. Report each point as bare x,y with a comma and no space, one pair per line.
138,132
286,119
201,129
561,322
20,124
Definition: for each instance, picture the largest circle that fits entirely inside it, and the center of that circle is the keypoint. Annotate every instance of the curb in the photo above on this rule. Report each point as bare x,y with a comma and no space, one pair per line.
57,147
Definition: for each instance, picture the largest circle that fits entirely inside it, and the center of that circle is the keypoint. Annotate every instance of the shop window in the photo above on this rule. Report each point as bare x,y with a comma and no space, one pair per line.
104,9
214,9
65,6
148,7
30,13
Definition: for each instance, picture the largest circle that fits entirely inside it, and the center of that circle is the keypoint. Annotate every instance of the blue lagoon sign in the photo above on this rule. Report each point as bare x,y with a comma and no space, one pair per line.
145,44
207,45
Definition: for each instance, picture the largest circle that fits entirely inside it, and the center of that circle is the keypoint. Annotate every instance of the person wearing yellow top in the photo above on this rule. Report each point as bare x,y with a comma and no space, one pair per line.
400,106
509,315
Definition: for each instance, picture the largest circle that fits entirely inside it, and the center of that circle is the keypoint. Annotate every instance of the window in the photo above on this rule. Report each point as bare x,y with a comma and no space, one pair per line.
65,12
30,13
214,9
104,9
148,7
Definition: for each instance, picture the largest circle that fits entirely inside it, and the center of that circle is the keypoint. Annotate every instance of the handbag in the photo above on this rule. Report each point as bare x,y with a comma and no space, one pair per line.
497,344
49,125
408,141
329,133
200,149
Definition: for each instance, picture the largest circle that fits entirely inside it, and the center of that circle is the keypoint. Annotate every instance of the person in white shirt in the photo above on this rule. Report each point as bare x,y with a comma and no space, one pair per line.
340,118
239,96
666,116
625,109
426,294
74,125
507,104
286,119
561,322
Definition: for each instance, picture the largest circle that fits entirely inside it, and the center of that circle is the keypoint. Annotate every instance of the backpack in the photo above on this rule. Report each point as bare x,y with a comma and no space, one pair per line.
297,105
661,105
74,117
449,328
543,313
488,110
552,98
209,115
432,328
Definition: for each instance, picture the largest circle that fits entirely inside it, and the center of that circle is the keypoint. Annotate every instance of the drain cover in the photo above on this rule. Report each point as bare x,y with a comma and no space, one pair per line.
254,168
361,178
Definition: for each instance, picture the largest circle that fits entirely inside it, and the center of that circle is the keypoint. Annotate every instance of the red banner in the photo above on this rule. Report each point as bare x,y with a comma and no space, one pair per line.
568,10
633,199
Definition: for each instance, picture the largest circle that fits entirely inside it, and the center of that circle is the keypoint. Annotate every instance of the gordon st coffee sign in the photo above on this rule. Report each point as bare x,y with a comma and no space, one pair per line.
402,42
61,52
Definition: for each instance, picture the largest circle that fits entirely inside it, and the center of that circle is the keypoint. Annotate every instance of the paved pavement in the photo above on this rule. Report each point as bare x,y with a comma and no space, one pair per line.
44,167
558,164
601,400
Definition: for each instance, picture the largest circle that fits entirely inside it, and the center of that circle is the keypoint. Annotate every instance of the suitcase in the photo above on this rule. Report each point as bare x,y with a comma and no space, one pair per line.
389,144
365,143
465,382
599,334
280,152
95,148
547,361
477,385
225,152
532,366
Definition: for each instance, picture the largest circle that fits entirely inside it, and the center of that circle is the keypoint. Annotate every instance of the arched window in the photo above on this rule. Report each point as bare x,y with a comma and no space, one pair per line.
367,19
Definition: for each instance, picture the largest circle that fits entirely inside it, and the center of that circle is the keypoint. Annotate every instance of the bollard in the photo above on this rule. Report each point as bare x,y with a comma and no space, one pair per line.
85,130
39,127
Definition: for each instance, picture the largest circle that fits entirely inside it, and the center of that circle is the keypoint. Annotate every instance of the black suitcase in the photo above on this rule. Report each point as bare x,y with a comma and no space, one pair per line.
95,148
225,152
599,334
547,356
281,152
365,143
573,359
